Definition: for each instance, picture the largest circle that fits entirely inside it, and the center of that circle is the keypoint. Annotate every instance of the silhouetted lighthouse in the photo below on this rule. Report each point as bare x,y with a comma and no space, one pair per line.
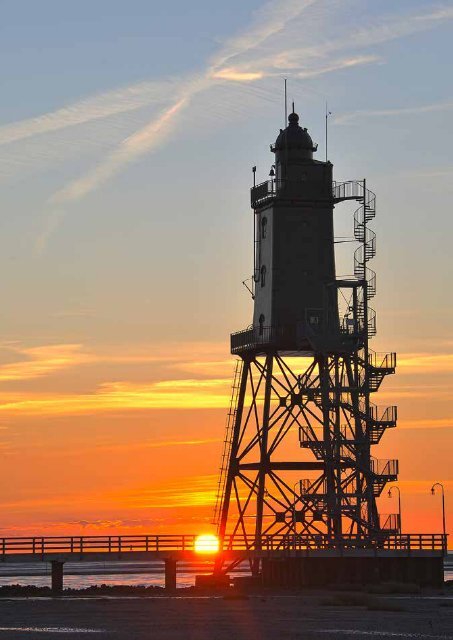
294,258
298,456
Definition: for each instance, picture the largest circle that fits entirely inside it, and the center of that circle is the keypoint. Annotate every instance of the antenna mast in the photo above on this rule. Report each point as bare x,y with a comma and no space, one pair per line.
286,107
328,113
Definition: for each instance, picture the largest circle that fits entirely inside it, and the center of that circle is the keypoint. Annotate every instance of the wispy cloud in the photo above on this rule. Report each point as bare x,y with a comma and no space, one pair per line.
122,396
32,362
93,108
132,148
338,65
421,363
353,116
37,362
259,51
268,21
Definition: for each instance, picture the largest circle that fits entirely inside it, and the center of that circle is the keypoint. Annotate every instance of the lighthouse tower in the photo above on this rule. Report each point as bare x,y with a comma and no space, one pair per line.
298,461
294,260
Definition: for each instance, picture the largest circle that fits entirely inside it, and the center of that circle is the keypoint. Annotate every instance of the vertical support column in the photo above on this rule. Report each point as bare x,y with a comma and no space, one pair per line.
57,577
264,457
170,574
333,514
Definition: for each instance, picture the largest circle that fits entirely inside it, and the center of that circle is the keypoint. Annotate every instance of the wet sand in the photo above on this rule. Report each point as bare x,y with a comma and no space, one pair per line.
256,617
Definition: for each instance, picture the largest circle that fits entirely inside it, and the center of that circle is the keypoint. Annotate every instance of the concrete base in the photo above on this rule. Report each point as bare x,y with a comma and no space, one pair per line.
301,572
210,581
57,577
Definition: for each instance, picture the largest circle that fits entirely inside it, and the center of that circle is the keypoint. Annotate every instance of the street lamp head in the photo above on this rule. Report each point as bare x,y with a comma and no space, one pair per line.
432,491
389,493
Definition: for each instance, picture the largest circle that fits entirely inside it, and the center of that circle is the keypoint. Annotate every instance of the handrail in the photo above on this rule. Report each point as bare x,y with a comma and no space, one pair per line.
39,546
381,360
384,468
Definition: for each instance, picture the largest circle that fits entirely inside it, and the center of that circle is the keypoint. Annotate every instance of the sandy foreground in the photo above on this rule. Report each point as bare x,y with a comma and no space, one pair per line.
266,617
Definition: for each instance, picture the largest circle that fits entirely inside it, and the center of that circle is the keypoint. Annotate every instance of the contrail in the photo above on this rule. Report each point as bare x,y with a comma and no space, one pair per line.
270,19
347,118
130,149
95,108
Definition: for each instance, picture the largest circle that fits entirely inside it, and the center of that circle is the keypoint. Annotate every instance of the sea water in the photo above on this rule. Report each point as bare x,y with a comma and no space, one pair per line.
79,575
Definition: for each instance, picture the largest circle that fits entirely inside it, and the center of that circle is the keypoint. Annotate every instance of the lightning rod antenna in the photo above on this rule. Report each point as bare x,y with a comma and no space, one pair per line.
328,113
286,107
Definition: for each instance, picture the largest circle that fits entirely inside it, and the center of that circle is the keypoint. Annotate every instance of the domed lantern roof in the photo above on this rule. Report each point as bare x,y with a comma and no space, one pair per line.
295,138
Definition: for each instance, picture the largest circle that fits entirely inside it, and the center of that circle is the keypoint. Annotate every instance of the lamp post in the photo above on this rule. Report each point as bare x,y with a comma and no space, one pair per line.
444,528
395,486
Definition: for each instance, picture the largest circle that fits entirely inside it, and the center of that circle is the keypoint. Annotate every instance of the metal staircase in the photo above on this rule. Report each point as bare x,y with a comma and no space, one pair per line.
356,190
230,420
380,419
378,366
383,471
377,418
311,441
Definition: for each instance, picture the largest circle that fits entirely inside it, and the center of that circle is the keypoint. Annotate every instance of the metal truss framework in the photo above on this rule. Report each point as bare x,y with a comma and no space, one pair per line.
321,403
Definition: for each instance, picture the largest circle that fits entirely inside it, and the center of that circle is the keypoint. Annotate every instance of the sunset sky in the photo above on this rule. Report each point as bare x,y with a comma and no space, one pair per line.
127,135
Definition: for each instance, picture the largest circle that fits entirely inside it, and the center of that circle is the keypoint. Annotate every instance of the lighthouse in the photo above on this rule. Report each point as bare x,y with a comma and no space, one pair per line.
299,461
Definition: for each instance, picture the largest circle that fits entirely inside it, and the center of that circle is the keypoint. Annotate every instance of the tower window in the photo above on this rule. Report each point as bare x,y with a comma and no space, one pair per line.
261,323
263,228
263,276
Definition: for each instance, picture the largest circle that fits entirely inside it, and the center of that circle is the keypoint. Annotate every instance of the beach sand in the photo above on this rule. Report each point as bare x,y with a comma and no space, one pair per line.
310,616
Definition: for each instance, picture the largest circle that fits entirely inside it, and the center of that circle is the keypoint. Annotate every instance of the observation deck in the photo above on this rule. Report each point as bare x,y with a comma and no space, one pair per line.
296,338
264,192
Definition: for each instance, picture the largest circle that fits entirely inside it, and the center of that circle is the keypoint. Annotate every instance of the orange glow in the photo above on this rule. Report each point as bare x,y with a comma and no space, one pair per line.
207,543
117,439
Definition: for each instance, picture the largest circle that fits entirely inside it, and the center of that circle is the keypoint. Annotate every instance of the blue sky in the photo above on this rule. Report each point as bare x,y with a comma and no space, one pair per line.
163,234
127,135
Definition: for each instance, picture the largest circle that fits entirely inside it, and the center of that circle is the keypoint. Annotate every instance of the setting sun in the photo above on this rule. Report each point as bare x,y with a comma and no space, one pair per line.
207,543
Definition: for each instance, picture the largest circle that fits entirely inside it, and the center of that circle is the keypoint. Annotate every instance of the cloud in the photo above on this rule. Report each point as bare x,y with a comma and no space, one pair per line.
194,491
359,36
353,116
122,396
421,363
441,14
27,363
428,423
269,20
259,51
206,387
43,361
337,66
84,111
229,73
129,150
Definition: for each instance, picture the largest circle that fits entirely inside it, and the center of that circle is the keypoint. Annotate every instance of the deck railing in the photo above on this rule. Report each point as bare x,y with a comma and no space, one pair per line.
86,545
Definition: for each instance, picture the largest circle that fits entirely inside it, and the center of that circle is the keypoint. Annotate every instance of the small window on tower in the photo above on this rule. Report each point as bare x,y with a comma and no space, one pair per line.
263,276
261,321
263,228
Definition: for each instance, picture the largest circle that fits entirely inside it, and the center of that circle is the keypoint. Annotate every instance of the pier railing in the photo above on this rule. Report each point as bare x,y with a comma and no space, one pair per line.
85,545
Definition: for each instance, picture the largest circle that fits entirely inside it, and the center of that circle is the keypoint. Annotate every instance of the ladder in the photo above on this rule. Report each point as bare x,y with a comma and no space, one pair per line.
226,449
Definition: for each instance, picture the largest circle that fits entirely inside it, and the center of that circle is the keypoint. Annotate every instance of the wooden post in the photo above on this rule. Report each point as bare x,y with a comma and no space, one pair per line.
57,577
170,574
